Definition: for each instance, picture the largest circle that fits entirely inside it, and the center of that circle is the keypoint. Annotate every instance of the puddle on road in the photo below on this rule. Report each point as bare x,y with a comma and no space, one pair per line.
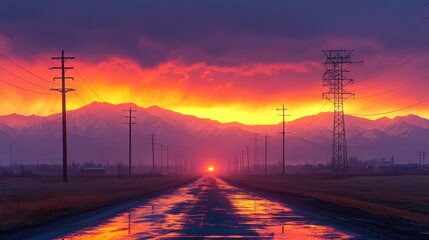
274,219
209,208
154,218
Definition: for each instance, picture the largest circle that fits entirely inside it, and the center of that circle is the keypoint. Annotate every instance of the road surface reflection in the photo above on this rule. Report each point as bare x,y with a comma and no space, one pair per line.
211,208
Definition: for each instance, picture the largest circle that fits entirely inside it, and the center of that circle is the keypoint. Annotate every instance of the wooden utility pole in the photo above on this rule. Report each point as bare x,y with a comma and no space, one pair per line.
63,91
256,154
153,152
130,122
176,163
248,161
168,171
283,109
266,152
10,159
161,159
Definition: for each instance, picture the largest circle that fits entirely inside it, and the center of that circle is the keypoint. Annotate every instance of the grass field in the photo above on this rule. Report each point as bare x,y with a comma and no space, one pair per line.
33,201
394,196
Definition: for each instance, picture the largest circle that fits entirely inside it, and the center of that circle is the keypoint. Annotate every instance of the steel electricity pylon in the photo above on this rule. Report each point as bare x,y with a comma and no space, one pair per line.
335,81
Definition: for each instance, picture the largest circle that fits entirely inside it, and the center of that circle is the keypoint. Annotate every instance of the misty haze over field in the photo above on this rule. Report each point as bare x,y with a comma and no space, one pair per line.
96,134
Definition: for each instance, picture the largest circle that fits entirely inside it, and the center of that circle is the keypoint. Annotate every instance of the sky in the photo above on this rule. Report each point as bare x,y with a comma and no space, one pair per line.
224,60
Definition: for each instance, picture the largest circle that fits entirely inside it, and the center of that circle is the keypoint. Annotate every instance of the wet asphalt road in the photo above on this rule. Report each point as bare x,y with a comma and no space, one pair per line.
211,208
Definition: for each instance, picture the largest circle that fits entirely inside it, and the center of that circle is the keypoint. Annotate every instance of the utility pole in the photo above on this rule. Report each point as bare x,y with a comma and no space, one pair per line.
283,115
153,152
256,154
266,152
236,163
334,79
168,171
242,162
161,159
248,162
10,159
229,166
37,162
63,91
176,163
420,158
130,122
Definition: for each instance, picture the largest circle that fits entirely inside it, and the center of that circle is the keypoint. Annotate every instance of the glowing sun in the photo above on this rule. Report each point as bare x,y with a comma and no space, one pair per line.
211,169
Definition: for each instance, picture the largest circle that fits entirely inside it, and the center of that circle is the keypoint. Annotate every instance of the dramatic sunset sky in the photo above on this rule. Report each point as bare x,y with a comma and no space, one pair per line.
224,60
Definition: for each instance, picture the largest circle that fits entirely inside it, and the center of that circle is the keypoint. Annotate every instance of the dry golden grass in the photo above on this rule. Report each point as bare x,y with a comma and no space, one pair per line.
32,201
404,197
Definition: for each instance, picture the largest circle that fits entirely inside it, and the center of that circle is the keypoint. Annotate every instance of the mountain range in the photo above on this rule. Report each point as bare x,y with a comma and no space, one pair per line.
97,133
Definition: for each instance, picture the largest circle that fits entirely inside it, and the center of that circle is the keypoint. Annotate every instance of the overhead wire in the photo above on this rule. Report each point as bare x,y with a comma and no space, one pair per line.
21,44
25,89
392,111
23,79
385,33
28,71
394,89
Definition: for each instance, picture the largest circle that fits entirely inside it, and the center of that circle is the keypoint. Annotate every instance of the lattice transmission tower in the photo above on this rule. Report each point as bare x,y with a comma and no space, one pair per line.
334,79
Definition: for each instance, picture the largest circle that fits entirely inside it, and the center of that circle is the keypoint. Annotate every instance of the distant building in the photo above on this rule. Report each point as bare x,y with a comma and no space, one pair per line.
408,168
93,171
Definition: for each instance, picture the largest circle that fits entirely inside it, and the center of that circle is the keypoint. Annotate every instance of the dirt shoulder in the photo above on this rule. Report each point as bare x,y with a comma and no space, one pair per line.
36,201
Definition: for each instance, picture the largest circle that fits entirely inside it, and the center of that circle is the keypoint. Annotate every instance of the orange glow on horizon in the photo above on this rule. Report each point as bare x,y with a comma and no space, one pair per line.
199,89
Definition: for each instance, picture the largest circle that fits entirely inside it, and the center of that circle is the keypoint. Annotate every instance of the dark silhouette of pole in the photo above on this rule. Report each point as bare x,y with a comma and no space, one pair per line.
130,122
153,152
10,159
241,162
266,152
283,109
161,159
63,91
420,158
256,154
167,162
176,163
229,166
248,161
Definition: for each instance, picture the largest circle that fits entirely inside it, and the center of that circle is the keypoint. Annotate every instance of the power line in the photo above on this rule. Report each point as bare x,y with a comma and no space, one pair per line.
22,45
392,111
28,71
89,86
412,15
393,90
420,50
37,55
23,79
25,89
